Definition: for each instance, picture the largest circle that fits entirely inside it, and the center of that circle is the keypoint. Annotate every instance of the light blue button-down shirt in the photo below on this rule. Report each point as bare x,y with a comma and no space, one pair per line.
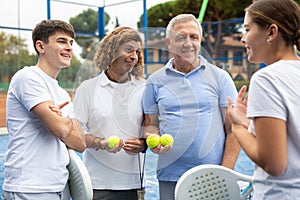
188,107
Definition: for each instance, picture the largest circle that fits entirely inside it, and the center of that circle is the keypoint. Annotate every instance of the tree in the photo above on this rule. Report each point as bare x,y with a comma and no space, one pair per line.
87,23
221,12
13,55
217,10
159,15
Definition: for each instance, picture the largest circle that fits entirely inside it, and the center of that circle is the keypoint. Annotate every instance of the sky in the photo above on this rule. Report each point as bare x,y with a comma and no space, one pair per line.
27,13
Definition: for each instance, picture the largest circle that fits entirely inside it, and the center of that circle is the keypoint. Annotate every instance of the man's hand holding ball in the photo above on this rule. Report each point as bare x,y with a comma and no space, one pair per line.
160,144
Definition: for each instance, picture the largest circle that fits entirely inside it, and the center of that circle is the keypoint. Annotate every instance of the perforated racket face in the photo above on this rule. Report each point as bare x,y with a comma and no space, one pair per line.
209,186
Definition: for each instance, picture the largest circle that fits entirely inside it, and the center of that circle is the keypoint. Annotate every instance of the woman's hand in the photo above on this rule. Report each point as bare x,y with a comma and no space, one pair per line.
238,113
134,145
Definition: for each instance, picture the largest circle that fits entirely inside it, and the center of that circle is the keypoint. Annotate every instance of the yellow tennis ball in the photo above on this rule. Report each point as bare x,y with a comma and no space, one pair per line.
152,140
113,141
166,139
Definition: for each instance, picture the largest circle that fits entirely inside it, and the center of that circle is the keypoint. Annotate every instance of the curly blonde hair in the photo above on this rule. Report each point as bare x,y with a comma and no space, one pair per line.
107,49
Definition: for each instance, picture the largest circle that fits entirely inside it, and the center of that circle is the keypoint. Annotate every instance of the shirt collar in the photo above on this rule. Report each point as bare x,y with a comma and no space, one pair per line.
104,81
202,65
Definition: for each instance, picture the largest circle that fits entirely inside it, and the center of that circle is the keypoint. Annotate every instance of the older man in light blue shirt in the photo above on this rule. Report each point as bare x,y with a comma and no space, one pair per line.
187,98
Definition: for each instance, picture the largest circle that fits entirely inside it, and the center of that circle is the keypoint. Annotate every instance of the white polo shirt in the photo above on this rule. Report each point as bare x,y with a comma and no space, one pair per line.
106,108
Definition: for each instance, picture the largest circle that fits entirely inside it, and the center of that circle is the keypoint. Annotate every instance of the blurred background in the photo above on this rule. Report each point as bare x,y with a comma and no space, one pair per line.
222,23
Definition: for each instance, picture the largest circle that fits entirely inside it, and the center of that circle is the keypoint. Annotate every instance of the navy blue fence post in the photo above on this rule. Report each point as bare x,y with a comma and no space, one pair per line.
48,9
101,22
145,26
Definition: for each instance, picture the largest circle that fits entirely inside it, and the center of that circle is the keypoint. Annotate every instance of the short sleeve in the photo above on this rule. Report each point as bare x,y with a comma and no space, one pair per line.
264,98
228,89
81,105
30,88
150,105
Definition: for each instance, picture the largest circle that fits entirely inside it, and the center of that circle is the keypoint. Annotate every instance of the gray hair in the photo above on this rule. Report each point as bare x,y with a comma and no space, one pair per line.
179,19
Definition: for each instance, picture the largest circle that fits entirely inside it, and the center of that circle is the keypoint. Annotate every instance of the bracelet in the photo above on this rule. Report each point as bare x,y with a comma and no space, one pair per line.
98,144
145,143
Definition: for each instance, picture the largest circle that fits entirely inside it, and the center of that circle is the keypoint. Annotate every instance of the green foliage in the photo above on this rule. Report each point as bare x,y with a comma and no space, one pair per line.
222,10
240,83
3,87
160,14
87,22
13,55
189,5
67,76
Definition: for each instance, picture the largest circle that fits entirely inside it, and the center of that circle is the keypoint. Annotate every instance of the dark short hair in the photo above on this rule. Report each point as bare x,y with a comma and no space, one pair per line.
47,28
